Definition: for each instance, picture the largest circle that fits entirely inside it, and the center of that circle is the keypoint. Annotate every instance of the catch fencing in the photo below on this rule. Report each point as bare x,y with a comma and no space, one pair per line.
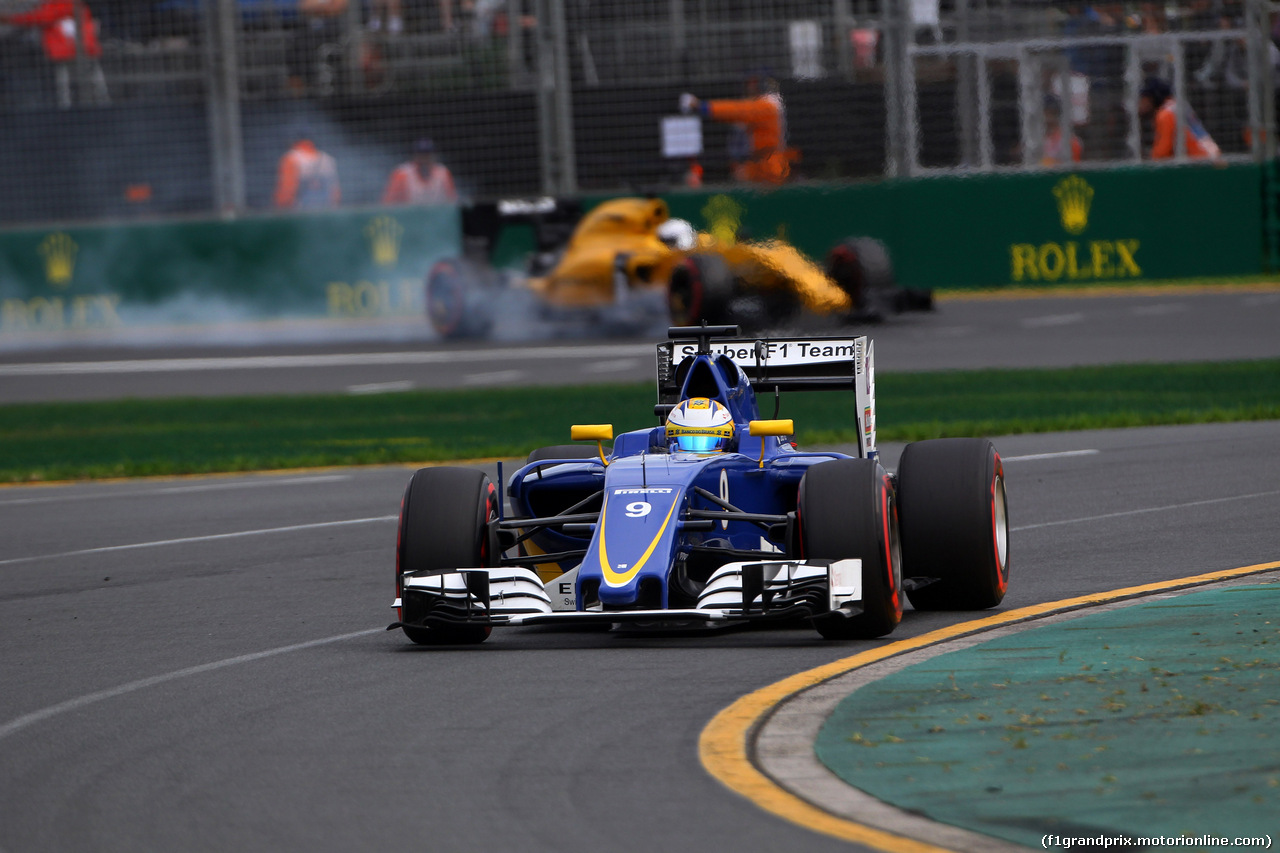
185,107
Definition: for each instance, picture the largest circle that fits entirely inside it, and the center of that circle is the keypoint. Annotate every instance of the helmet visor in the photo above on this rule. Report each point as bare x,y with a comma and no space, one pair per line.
700,443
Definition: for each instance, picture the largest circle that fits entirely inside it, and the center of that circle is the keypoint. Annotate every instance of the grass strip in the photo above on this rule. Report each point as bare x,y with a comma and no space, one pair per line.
61,441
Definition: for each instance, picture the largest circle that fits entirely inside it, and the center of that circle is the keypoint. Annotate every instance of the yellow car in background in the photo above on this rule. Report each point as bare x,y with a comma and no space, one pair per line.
628,266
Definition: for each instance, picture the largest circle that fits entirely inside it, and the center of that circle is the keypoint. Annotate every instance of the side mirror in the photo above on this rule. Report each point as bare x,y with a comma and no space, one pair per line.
783,427
766,428
591,432
599,433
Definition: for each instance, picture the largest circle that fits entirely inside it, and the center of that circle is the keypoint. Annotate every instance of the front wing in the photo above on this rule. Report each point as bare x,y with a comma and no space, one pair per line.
736,592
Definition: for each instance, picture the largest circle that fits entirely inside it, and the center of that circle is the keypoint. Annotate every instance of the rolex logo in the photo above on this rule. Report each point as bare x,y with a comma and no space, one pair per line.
384,239
59,253
724,216
1074,196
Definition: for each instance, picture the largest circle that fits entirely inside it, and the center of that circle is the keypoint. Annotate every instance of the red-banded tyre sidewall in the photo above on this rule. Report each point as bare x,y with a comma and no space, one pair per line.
444,525
700,288
457,304
955,523
861,267
847,510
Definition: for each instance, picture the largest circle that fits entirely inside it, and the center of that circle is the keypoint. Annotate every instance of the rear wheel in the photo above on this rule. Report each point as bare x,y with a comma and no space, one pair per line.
955,523
862,268
701,288
458,303
444,525
847,510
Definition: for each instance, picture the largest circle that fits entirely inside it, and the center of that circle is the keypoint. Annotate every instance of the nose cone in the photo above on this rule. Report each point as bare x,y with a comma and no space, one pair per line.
634,545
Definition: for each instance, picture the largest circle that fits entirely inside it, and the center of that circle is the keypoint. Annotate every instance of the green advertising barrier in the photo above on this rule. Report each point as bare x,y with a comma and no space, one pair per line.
340,265
978,231
1036,229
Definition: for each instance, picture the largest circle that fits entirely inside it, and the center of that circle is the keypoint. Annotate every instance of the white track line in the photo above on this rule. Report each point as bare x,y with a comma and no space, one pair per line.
179,490
261,362
494,377
1062,453
614,366
381,387
1145,510
20,723
189,539
1158,310
1051,320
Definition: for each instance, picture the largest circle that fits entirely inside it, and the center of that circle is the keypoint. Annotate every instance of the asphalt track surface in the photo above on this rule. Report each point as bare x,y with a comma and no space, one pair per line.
197,664
1158,325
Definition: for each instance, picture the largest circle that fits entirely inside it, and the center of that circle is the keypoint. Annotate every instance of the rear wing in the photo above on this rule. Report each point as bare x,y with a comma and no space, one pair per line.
814,363
552,221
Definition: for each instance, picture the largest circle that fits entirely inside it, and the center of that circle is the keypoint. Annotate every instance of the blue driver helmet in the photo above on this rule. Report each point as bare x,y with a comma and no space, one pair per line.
700,425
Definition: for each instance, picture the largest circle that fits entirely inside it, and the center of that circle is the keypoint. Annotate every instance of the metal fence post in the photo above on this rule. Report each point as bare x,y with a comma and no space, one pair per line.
896,58
80,86
222,96
568,168
555,101
1262,120
1132,87
967,78
1261,83
842,21
1032,122
1181,96
679,56
354,32
546,82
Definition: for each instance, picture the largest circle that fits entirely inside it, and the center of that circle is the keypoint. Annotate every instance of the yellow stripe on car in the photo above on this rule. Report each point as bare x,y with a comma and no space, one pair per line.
614,578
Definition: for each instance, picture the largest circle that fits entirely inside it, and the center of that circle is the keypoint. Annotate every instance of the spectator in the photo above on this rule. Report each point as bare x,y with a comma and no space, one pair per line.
320,24
1156,60
758,148
391,12
307,178
1059,147
63,42
1101,66
1156,100
446,16
1225,59
421,180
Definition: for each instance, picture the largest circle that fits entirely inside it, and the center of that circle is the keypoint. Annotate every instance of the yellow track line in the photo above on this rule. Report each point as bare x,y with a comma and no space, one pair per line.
725,743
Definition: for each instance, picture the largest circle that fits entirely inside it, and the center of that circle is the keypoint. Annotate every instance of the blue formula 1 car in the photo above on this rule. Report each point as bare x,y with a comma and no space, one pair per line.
712,517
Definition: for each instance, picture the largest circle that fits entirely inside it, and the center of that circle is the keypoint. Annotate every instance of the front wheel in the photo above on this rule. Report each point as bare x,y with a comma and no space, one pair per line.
955,523
444,525
847,509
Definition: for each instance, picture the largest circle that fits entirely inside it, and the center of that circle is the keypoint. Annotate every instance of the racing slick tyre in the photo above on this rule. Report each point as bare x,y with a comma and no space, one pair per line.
458,304
701,288
955,523
862,268
444,525
563,451
847,509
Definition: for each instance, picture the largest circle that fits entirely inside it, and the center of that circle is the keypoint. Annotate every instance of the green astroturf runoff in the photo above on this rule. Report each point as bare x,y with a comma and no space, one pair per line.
1157,719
